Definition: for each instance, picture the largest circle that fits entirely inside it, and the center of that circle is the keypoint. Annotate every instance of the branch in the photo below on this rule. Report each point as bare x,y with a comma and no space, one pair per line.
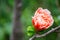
42,35
17,33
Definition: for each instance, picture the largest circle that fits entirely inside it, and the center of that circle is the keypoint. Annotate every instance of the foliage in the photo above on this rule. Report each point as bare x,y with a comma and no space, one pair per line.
5,18
28,9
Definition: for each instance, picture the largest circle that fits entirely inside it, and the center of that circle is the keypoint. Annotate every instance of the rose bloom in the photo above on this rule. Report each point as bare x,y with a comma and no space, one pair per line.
42,19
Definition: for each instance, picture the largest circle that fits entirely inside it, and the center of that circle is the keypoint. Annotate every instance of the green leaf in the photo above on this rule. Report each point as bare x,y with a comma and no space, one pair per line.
30,31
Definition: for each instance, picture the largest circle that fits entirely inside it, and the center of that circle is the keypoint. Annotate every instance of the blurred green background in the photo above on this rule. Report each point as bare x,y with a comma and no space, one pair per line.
28,9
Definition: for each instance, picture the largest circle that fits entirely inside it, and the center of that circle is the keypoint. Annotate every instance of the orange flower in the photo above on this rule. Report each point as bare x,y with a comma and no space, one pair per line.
42,19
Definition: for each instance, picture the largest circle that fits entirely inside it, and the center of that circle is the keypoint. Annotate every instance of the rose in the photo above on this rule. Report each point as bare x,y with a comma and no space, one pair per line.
42,19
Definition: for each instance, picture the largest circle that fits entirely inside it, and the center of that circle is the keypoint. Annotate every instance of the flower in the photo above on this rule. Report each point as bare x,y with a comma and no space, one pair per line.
42,19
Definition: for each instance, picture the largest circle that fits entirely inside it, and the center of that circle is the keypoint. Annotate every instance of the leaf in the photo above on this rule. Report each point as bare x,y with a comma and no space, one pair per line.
30,31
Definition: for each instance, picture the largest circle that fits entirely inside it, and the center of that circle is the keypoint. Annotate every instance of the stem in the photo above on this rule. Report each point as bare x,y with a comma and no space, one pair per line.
42,35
